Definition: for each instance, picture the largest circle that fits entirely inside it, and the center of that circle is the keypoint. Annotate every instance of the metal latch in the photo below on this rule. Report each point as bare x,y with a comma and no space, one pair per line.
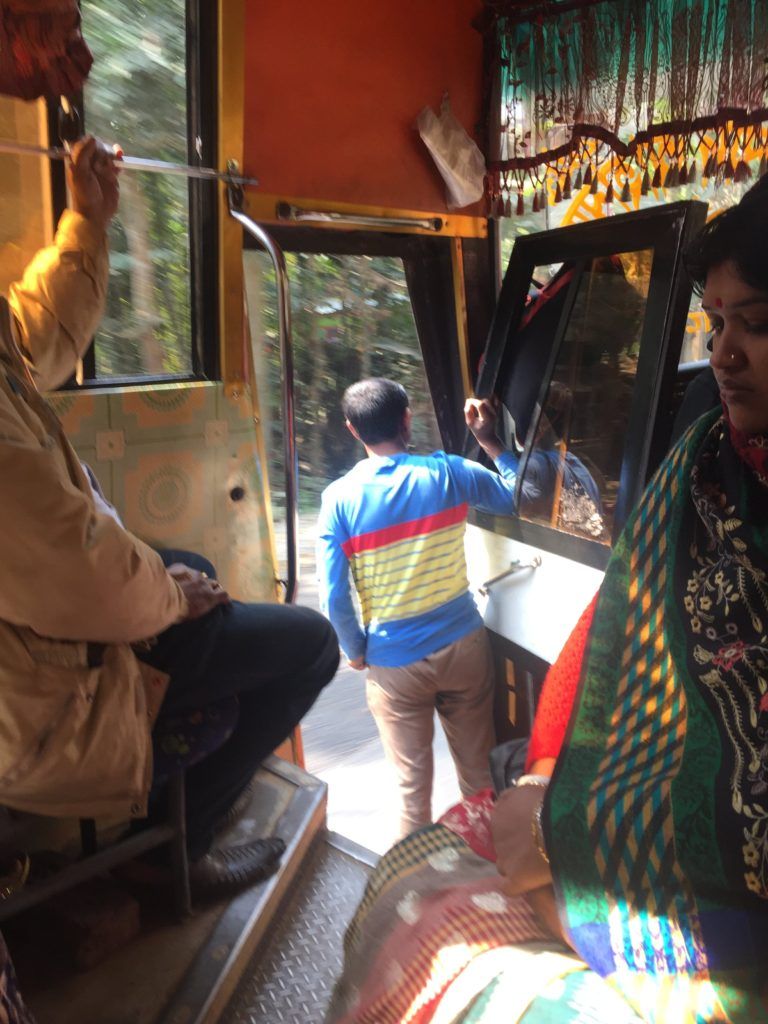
514,567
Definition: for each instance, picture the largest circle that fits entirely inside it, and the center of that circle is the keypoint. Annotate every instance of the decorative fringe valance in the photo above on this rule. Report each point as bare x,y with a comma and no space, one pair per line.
42,52
622,95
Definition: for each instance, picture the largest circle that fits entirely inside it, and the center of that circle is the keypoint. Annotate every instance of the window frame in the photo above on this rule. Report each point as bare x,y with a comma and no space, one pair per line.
667,230
201,43
428,272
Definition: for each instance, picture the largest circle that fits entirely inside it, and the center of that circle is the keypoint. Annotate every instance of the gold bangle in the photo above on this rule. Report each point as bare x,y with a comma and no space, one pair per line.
537,831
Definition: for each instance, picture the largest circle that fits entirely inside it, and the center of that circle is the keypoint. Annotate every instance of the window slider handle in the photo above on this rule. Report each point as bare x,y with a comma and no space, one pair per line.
514,568
132,163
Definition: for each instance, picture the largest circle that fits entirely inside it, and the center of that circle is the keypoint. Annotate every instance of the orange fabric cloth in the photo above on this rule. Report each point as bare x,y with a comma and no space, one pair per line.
42,51
559,692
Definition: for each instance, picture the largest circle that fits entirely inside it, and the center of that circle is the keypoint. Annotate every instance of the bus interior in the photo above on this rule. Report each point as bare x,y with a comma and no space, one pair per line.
328,249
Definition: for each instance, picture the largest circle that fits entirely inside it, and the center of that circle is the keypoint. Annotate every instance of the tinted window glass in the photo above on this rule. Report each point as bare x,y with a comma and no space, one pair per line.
576,444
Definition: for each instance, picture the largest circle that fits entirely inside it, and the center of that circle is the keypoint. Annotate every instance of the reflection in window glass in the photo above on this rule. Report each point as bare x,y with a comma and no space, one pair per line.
718,195
351,318
697,332
572,476
541,278
136,95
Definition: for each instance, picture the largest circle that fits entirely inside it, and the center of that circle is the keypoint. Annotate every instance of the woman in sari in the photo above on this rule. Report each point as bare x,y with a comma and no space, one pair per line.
627,873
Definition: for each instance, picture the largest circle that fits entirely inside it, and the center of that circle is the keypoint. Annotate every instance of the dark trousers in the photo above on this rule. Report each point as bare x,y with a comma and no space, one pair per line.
275,658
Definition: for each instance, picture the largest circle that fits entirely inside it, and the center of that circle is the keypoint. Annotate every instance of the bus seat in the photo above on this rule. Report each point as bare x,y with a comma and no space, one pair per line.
179,742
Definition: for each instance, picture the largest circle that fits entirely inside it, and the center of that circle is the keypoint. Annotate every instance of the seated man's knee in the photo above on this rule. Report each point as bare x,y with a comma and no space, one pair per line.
318,640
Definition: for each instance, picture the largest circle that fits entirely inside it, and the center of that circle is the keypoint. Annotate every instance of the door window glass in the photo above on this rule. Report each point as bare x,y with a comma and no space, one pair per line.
576,445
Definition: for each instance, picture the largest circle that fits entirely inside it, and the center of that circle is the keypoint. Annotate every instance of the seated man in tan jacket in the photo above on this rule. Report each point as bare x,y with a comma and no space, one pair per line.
78,590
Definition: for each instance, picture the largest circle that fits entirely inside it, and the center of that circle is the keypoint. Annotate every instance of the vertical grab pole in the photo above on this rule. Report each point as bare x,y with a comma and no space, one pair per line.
286,366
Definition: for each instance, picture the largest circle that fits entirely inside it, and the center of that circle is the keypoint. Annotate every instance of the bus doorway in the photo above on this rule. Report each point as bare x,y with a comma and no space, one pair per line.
351,318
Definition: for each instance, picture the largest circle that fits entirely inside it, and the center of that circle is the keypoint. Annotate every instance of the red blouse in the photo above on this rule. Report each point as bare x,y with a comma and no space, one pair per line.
559,692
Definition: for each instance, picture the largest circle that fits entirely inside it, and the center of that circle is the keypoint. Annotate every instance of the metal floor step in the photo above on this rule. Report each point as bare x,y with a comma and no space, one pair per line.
184,973
290,978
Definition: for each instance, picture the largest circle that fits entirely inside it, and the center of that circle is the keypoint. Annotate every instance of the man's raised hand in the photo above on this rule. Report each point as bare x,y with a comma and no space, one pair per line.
92,180
480,417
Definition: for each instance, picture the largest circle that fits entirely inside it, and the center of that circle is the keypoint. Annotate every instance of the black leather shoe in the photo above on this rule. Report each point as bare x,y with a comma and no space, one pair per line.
225,870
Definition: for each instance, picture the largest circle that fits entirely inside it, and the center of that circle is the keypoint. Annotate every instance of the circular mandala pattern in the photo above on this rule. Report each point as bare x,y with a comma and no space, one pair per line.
165,401
165,494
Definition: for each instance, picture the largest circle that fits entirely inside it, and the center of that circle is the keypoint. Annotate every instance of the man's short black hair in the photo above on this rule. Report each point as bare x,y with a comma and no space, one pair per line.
375,408
737,236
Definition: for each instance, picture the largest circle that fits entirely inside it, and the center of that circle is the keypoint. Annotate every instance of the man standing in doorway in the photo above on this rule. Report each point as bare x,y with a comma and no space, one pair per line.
397,521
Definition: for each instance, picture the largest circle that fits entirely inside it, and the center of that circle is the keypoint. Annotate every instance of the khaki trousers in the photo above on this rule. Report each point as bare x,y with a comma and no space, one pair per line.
458,681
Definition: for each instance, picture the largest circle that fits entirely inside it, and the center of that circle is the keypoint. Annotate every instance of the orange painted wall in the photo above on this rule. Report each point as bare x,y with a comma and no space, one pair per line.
333,88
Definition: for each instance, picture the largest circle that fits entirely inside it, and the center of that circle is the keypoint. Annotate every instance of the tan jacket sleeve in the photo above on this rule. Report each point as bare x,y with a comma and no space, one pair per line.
69,572
59,302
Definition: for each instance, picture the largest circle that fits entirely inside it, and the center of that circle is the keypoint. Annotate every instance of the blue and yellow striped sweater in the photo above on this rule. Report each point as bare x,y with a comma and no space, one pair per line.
397,521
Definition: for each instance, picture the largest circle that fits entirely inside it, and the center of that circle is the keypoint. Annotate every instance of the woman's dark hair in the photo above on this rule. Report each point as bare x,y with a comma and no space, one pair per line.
738,236
375,408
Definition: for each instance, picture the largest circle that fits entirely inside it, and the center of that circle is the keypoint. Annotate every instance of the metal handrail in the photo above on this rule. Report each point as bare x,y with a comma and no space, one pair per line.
286,367
514,568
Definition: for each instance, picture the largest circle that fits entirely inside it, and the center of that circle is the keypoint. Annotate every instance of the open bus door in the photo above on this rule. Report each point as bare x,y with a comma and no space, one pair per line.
583,357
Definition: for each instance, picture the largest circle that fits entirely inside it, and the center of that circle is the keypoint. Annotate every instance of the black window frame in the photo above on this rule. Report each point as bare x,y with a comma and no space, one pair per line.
201,31
429,278
667,230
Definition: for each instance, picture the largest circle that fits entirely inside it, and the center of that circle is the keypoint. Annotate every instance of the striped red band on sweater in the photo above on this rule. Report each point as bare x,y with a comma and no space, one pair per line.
402,531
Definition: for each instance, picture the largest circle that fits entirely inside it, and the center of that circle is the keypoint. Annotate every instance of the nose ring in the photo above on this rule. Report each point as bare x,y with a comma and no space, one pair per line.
733,356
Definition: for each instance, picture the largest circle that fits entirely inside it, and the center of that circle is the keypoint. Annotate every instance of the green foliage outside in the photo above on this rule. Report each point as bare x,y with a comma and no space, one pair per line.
352,318
136,96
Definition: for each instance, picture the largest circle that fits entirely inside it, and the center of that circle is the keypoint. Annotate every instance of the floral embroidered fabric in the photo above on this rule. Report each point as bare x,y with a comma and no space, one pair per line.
752,449
726,603
471,820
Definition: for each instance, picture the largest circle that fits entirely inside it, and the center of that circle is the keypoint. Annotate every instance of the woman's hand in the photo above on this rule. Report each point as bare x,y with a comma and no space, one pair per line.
543,904
518,858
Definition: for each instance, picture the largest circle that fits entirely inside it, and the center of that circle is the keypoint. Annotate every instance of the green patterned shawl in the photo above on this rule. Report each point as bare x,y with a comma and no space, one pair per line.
657,817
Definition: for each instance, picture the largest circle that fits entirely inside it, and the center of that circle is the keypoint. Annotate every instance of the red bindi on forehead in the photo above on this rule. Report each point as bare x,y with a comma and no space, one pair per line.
719,302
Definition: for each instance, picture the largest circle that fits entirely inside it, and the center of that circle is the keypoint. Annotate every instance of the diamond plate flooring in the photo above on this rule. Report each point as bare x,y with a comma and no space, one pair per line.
290,980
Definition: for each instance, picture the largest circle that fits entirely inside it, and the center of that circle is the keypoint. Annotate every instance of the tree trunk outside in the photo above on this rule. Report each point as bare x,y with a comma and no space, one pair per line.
135,223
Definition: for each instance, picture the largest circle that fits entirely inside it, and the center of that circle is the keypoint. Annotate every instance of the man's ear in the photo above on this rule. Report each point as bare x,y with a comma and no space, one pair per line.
406,428
352,431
